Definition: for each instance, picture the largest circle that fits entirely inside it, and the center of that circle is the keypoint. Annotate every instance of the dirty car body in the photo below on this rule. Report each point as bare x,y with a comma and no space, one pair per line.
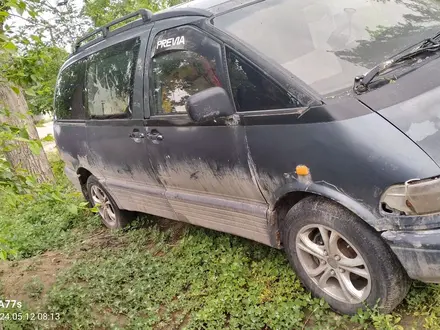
125,114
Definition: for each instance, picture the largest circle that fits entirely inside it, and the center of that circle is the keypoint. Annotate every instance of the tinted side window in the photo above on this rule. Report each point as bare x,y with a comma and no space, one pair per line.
185,62
69,92
252,90
110,78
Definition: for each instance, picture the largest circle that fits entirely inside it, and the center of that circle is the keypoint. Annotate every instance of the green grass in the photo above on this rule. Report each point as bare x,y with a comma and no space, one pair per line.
38,227
34,225
34,288
204,280
171,276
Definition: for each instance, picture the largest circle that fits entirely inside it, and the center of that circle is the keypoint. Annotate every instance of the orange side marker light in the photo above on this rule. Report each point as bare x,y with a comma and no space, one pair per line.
302,170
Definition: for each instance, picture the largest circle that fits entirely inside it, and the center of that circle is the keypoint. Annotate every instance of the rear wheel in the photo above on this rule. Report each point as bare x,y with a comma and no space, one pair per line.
338,257
111,215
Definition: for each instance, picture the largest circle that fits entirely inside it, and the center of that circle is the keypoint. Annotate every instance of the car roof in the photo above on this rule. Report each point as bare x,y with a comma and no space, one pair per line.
197,7
214,6
202,4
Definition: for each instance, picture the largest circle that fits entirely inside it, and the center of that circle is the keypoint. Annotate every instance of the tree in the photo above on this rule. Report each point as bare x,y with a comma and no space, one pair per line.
105,11
35,70
22,154
58,26
14,116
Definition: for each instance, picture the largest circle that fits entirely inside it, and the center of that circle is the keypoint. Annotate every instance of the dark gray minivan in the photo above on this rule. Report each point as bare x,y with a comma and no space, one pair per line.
312,126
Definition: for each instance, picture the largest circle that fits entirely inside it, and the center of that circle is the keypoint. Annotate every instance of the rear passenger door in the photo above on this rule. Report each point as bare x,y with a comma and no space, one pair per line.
70,118
204,167
115,131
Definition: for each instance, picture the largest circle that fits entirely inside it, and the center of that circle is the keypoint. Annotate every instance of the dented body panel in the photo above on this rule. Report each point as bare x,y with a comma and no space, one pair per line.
418,252
413,107
352,153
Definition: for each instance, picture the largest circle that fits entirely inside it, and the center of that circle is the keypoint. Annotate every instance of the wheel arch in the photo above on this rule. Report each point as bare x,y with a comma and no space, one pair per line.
288,195
83,175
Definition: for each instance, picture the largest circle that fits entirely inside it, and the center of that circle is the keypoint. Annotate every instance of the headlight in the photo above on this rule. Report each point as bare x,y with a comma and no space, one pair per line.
414,197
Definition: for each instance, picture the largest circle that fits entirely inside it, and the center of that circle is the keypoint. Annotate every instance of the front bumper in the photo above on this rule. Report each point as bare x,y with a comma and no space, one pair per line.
418,252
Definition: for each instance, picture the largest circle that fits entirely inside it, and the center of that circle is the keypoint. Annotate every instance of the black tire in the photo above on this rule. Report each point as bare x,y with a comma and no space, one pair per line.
387,282
120,219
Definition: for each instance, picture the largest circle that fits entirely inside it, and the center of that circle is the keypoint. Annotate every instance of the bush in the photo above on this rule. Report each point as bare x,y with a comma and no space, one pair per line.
42,216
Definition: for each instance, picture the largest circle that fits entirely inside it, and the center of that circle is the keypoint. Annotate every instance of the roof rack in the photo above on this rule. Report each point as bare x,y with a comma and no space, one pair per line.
147,16
104,30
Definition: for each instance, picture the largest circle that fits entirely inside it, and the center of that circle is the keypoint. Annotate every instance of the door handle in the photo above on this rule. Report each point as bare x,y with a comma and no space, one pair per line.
136,136
154,135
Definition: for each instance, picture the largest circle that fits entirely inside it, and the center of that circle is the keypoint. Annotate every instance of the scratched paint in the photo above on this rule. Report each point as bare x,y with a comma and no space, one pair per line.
199,176
420,131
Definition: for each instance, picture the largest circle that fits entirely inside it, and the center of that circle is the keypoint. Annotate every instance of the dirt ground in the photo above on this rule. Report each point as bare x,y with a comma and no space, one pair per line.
45,131
29,280
17,277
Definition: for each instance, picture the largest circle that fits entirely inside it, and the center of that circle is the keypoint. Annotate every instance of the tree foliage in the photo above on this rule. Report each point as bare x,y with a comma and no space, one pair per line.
104,11
22,160
56,25
35,38
35,71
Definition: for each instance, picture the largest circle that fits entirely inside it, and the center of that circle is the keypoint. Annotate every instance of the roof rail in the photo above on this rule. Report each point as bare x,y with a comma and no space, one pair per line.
104,30
147,16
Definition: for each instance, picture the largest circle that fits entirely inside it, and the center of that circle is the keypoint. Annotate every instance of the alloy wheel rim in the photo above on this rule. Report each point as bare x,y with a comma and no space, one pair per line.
105,207
333,264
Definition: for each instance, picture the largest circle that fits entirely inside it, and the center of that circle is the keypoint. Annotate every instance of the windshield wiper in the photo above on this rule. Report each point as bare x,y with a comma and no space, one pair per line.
428,45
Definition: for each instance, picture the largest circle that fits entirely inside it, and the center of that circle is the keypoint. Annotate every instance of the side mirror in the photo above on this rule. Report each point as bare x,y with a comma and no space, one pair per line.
211,103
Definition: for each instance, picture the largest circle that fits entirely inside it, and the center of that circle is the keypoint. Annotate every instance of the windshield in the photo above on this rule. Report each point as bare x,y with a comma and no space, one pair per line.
327,43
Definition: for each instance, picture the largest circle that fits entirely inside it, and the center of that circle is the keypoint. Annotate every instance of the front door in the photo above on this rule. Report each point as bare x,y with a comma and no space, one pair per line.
204,167
117,151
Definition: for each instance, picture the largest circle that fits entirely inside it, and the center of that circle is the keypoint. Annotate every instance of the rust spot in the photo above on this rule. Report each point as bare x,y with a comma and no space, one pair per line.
278,238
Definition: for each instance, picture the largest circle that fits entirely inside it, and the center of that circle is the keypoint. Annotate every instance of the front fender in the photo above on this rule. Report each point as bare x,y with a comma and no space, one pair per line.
330,191
371,216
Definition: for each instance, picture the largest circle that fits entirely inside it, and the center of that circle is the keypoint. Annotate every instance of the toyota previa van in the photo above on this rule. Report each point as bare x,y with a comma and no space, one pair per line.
309,126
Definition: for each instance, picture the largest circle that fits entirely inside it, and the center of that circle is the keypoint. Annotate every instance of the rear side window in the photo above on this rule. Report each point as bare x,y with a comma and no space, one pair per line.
252,90
110,79
69,92
185,62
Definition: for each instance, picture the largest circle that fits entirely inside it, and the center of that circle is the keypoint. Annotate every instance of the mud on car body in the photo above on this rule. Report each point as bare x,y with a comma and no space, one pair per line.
308,126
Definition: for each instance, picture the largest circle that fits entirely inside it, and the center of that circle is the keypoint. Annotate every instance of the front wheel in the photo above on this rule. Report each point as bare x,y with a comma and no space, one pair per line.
111,215
338,257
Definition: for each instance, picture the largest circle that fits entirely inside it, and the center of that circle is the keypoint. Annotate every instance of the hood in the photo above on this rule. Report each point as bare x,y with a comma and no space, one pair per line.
412,104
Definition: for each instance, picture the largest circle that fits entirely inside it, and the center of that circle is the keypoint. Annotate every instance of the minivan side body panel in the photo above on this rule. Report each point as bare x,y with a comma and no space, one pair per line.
109,153
352,152
349,150
230,174
411,104
205,166
353,155
71,140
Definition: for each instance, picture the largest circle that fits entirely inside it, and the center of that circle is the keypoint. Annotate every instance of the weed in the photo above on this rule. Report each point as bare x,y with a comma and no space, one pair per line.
31,225
34,288
206,279
41,123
